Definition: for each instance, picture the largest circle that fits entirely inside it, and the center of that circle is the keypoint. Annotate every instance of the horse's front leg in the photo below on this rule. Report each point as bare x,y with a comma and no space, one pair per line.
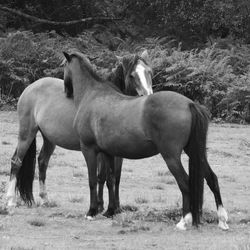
101,178
110,182
90,155
118,169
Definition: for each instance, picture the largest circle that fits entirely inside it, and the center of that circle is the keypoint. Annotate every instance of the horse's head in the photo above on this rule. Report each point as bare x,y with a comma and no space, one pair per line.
75,64
137,74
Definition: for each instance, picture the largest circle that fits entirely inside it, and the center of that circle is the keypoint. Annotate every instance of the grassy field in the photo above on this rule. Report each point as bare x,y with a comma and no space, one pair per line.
149,196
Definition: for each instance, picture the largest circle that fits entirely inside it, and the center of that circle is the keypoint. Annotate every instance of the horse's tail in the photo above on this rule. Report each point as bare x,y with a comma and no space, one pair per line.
25,175
196,150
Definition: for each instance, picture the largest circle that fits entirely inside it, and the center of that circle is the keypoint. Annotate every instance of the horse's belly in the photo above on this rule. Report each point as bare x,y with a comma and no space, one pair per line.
62,137
134,150
57,127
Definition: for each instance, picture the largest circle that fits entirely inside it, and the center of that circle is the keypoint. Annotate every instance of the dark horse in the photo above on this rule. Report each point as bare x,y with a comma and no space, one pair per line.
114,124
43,107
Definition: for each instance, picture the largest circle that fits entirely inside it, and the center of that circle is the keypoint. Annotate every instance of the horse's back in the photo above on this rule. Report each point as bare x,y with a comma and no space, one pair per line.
40,89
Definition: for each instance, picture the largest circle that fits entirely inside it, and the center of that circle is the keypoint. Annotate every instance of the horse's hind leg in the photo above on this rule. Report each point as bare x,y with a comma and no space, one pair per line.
175,166
16,163
102,174
213,184
43,161
24,143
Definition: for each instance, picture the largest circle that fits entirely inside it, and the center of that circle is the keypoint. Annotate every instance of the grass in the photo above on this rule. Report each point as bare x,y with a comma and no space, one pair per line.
129,170
49,204
21,248
3,210
78,174
124,219
4,172
163,173
158,187
228,178
76,199
6,143
167,181
141,200
159,199
134,229
129,208
57,214
37,222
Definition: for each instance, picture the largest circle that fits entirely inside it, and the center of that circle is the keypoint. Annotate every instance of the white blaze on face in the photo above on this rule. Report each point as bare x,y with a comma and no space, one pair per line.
141,72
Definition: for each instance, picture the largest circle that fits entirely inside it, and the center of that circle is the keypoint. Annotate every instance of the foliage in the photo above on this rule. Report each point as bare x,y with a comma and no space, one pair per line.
26,57
23,60
217,76
192,22
214,76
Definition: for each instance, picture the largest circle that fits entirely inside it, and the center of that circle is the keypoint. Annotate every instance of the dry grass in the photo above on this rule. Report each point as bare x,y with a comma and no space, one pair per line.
4,172
48,204
37,222
76,199
158,187
78,174
167,180
163,173
141,200
148,224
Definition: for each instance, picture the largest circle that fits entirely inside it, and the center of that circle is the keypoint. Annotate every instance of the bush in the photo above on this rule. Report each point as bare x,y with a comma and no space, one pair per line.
23,60
25,57
216,77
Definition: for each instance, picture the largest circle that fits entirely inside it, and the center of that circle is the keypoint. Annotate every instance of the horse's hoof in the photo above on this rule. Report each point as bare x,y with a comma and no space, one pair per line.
91,213
44,202
118,210
11,210
223,218
185,222
181,225
223,225
109,213
88,217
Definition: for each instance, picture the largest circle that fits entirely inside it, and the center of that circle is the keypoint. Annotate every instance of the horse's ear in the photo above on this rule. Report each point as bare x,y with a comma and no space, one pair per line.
145,56
67,56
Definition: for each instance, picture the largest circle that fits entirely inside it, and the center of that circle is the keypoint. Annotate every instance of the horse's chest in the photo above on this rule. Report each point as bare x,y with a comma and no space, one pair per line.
82,125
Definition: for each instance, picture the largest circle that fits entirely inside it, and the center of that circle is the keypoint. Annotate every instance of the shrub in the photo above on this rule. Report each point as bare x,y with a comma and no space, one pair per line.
216,77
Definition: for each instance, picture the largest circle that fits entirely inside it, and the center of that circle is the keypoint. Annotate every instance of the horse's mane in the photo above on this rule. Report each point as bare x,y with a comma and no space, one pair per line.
85,65
119,79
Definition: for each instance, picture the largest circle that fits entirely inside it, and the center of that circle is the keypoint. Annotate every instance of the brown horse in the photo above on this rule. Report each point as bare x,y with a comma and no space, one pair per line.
43,107
110,122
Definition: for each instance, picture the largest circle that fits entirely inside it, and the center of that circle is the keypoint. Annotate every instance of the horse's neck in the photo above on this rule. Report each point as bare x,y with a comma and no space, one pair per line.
117,78
82,87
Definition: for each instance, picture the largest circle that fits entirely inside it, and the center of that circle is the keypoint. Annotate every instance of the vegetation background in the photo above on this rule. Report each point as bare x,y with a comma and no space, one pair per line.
200,48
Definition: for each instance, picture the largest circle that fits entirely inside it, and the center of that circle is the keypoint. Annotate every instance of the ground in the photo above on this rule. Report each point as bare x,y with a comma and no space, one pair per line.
149,196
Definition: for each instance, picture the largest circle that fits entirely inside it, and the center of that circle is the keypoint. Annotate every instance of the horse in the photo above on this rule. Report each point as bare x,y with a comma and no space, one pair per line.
166,122
43,107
